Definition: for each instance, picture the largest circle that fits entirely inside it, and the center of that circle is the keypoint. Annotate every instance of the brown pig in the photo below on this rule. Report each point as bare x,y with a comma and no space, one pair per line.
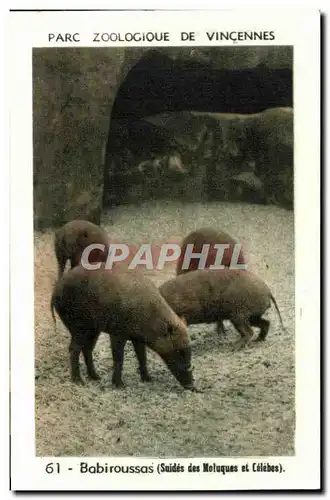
71,240
128,306
208,236
207,296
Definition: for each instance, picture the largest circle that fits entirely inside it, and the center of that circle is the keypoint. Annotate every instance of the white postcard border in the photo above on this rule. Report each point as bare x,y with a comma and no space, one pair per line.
301,471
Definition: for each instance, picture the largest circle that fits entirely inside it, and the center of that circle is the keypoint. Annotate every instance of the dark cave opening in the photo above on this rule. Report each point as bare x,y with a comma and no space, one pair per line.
158,84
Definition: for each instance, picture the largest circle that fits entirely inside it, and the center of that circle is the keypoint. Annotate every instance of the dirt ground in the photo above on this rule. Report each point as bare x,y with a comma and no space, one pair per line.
247,407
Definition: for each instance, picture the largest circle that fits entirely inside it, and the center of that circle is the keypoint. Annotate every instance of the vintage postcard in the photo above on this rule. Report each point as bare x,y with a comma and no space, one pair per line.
165,206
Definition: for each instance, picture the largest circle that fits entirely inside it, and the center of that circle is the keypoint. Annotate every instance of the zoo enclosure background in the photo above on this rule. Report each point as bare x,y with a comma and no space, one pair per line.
90,134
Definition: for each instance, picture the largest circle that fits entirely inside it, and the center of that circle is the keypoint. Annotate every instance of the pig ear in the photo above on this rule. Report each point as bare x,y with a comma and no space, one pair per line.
170,330
183,319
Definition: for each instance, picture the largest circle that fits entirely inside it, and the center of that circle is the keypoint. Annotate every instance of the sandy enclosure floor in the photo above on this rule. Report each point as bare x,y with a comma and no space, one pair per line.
247,407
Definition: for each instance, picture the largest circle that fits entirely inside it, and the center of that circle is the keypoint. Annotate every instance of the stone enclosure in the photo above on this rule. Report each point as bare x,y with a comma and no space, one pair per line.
114,126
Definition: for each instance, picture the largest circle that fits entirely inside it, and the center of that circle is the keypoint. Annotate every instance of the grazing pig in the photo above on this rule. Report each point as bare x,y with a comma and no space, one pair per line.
128,306
71,240
208,236
207,296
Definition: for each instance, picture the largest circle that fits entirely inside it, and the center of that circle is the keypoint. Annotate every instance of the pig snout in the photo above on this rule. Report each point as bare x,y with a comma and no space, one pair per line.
179,363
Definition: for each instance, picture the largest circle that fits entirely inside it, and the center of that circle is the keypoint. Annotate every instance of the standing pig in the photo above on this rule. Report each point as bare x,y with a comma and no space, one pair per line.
71,240
128,306
207,296
208,236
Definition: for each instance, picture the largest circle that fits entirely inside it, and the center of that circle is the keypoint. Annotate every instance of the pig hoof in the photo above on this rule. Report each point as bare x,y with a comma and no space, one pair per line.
146,378
196,390
240,345
94,376
78,381
118,385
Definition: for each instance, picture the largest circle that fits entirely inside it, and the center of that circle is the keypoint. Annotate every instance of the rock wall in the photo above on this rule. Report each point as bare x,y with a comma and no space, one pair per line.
73,94
204,156
72,97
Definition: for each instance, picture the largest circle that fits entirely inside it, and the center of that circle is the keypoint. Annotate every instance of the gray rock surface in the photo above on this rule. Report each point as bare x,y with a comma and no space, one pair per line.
248,404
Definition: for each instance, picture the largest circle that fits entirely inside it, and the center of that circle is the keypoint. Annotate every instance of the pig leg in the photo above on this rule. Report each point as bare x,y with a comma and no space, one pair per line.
261,323
74,350
75,259
117,348
61,261
221,329
141,354
245,330
87,350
